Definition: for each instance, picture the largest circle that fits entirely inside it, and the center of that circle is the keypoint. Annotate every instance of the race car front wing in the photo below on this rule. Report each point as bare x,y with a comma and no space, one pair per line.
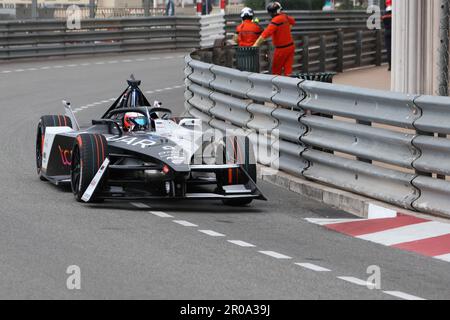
249,190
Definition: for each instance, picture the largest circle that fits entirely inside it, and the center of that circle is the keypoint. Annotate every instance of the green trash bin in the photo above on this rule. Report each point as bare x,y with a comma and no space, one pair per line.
247,59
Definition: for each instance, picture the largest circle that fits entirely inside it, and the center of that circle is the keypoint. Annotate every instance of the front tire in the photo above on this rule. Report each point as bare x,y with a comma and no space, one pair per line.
88,154
44,123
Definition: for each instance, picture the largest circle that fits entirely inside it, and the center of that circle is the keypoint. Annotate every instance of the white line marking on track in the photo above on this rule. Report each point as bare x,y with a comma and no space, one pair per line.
313,267
140,205
444,257
242,243
185,223
409,233
90,63
402,295
161,214
275,255
212,233
356,281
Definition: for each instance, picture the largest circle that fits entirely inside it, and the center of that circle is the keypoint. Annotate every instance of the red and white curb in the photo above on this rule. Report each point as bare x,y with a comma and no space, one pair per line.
419,235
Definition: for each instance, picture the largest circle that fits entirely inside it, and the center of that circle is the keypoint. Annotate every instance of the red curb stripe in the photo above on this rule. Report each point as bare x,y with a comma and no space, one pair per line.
358,228
431,247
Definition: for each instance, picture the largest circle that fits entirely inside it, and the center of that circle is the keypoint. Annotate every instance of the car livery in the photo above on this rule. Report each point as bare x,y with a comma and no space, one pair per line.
163,160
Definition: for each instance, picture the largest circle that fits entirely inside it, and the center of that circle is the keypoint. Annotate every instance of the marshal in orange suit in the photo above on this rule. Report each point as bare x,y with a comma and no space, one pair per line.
280,31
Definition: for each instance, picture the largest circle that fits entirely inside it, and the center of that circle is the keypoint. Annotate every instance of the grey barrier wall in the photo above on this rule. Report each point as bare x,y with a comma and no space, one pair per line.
380,144
44,38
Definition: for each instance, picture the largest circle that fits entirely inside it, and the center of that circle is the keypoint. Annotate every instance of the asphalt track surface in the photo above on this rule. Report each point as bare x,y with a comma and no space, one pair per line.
166,250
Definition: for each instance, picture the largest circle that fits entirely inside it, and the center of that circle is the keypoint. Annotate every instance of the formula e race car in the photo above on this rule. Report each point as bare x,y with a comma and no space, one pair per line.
136,151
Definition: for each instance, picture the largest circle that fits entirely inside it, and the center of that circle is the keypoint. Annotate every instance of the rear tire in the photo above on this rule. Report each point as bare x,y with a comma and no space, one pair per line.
237,150
44,122
88,154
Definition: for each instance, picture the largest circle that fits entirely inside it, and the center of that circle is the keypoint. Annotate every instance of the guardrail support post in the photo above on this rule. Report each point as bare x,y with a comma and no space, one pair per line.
379,48
34,10
340,51
359,49
323,53
146,8
92,9
305,58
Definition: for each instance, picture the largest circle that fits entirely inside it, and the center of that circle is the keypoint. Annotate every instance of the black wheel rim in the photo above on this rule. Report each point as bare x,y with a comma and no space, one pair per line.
39,147
75,171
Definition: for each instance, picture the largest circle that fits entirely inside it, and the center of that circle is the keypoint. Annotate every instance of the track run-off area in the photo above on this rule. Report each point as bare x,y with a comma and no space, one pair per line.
169,250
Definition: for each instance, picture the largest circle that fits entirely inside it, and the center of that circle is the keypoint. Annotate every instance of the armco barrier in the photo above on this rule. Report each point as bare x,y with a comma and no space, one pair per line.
45,38
317,52
379,144
310,21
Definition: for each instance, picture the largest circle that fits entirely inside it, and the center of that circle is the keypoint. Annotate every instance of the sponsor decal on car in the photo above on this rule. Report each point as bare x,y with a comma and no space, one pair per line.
66,156
132,141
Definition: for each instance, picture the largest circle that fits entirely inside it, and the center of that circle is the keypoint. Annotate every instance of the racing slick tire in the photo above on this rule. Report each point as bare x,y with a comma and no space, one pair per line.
44,122
237,149
88,154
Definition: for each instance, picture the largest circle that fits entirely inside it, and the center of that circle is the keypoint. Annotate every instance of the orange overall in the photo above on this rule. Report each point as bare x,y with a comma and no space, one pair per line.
280,31
248,32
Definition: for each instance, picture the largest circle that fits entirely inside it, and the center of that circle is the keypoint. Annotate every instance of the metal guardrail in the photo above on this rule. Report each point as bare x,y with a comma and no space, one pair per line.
100,12
320,52
212,29
379,144
44,38
327,51
310,21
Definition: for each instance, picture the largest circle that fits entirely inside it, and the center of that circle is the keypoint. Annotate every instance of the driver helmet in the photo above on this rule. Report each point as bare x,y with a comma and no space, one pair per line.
134,121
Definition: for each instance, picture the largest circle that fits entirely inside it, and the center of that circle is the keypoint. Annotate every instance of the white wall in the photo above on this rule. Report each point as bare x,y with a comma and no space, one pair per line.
415,44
